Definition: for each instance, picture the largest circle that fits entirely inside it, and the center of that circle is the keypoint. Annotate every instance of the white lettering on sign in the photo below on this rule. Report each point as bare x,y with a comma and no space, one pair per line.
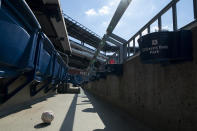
154,52
155,49
154,42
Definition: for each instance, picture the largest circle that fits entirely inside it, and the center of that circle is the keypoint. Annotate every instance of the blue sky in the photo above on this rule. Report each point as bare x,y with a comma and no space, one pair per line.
96,14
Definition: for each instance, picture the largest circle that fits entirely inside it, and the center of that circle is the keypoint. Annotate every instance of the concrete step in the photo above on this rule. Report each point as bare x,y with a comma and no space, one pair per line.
73,90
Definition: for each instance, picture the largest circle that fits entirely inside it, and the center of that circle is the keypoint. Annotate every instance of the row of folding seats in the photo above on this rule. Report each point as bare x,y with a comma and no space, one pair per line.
24,48
109,69
49,64
76,80
19,34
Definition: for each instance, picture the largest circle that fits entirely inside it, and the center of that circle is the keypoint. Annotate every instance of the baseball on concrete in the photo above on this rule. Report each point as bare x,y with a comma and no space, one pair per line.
47,116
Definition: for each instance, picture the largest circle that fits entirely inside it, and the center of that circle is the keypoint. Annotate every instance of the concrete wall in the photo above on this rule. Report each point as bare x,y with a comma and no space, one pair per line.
163,97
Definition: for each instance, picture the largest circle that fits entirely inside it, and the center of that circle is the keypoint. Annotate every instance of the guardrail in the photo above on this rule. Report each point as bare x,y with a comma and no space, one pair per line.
172,5
80,25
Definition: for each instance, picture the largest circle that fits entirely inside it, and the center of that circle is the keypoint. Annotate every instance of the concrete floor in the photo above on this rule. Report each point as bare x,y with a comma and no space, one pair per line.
73,112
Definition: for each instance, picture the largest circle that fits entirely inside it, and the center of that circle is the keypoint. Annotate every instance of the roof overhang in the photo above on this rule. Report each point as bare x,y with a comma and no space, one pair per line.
48,13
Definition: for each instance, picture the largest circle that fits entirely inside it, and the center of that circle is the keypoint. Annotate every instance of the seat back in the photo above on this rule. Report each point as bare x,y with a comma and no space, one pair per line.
56,68
64,75
19,32
44,64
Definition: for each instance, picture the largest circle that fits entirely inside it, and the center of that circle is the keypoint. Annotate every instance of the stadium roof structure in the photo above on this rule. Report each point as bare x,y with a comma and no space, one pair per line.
59,27
48,13
85,35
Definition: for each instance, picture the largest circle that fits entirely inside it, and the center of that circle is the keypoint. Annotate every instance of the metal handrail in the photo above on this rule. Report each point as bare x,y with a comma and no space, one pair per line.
80,25
172,5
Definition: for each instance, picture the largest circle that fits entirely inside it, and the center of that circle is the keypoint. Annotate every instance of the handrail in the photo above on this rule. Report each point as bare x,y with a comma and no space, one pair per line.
172,5
80,25
164,10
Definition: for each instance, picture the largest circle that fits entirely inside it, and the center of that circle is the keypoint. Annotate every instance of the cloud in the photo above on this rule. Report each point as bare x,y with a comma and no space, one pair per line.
104,10
164,28
144,32
155,29
91,12
107,9
167,27
114,2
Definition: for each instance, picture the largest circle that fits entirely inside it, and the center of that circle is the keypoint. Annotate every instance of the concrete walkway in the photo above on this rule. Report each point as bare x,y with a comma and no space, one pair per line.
73,112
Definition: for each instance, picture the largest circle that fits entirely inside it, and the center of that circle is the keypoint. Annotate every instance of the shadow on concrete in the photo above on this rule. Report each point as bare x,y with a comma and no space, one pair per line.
83,96
41,125
27,105
89,110
86,101
68,122
113,118
106,129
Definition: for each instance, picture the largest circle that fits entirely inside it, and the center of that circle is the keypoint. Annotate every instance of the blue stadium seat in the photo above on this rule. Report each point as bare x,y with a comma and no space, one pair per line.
63,73
56,69
59,72
76,80
18,38
25,51
45,57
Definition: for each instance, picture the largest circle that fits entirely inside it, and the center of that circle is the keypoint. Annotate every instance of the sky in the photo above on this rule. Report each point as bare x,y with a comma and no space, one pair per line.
96,14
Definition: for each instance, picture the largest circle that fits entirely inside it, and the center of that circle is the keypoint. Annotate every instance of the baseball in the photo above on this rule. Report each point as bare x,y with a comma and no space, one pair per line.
47,116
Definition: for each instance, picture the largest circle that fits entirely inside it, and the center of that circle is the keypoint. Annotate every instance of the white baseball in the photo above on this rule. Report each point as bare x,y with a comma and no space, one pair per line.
47,116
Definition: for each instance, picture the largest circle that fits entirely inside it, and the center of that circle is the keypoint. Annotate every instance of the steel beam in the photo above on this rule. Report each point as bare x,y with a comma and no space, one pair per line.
124,52
129,51
195,8
159,23
115,19
148,29
140,34
174,16
118,38
114,41
118,14
134,46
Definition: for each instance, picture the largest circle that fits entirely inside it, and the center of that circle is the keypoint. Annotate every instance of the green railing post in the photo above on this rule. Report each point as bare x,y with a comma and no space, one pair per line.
195,8
174,16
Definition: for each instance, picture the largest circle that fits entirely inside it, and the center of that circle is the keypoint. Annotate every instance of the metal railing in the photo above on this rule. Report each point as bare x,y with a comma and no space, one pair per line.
80,25
172,5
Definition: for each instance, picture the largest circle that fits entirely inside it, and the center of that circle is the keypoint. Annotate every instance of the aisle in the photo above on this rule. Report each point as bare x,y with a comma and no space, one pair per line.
73,112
